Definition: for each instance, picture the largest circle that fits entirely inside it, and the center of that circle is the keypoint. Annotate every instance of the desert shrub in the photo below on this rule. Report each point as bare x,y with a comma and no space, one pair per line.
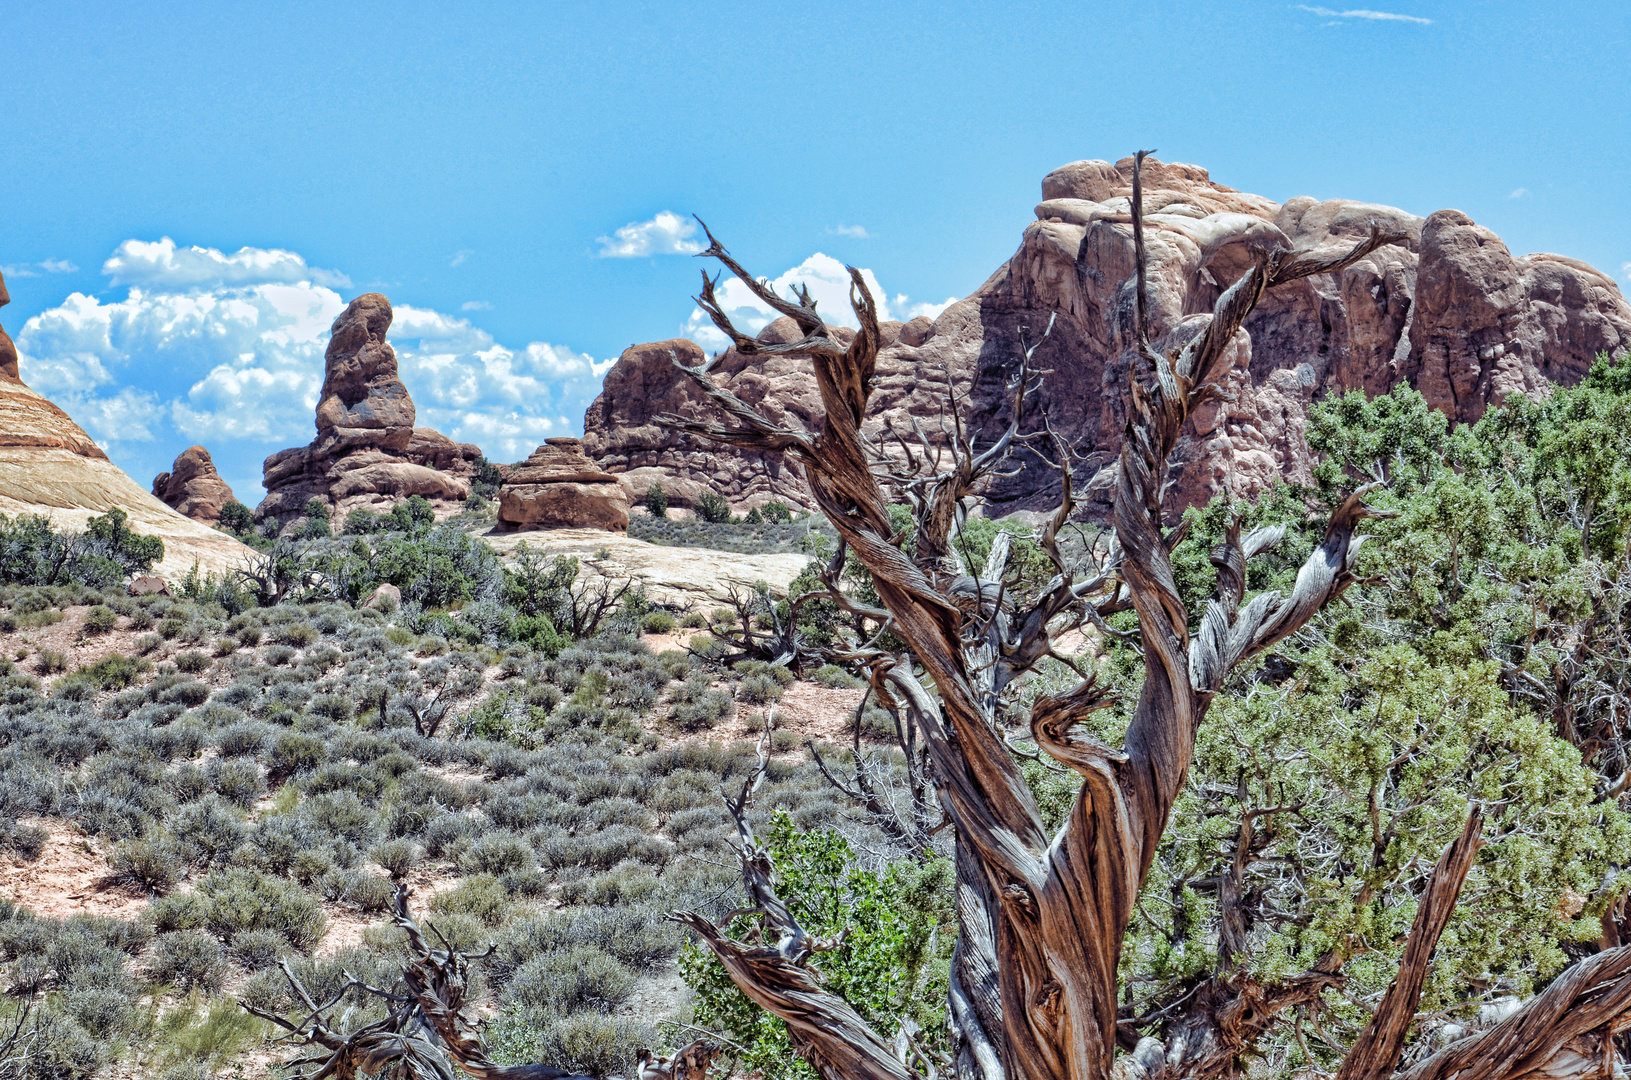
148,643
212,1032
278,655
188,960
151,863
190,693
50,661
579,977
657,622
479,896
496,853
27,842
100,619
626,883
208,831
398,857
112,672
367,891
192,662
339,814
298,634
237,780
448,830
178,911
694,620
241,899
586,1042
332,706
101,1012
258,949
834,677
243,740
697,706
293,752
712,507
249,635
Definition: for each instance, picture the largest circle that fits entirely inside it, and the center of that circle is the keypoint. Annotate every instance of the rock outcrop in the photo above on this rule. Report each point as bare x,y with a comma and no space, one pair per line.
1447,309
367,453
50,467
192,486
558,487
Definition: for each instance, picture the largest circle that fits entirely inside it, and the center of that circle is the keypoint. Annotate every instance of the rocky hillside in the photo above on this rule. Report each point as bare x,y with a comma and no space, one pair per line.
49,466
367,454
193,487
1449,310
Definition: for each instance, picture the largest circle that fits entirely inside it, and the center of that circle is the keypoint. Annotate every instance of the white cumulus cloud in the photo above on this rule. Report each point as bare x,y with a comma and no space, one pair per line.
829,283
161,264
665,234
227,350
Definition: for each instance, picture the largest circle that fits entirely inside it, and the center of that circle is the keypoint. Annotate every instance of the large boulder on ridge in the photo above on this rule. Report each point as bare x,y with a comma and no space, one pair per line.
558,487
367,454
1447,309
193,487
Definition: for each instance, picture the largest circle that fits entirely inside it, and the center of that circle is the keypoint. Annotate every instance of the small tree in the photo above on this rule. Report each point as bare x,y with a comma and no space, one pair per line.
318,525
236,517
656,501
713,508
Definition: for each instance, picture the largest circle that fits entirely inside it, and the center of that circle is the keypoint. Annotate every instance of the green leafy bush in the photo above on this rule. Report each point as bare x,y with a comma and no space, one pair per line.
712,508
656,501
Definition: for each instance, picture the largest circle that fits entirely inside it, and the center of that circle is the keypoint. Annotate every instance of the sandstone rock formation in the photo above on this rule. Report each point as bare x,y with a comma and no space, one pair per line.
50,467
367,453
1448,310
193,487
558,487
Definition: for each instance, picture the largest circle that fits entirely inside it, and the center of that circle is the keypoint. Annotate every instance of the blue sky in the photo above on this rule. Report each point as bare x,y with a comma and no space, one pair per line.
475,163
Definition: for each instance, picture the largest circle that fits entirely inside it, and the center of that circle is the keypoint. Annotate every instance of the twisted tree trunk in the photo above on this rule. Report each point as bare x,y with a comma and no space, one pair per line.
1042,918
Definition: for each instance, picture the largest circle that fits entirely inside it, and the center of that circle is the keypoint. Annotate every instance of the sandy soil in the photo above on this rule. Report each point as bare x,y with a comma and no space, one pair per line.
67,879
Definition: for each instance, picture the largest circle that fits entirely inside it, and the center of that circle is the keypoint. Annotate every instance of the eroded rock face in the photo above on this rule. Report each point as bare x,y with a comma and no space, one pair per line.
1447,309
8,351
558,487
193,487
367,453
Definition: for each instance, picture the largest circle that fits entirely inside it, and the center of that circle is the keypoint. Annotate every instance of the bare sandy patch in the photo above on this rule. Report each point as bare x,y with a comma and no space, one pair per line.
69,878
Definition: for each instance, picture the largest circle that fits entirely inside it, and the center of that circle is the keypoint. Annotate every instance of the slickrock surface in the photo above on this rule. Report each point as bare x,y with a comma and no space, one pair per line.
49,466
192,487
1448,310
558,487
670,575
367,452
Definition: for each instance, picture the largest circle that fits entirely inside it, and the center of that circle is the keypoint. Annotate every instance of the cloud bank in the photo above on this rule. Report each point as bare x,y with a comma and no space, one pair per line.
227,351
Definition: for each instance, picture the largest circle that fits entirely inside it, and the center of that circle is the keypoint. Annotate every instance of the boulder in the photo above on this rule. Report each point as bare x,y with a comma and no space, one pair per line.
558,487
1447,309
193,487
149,585
385,597
367,453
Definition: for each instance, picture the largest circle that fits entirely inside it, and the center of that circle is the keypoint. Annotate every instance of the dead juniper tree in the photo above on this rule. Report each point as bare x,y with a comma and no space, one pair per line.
1034,985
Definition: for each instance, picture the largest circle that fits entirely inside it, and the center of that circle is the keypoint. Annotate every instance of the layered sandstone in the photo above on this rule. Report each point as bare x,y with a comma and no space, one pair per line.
558,487
192,487
50,467
367,453
1448,310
